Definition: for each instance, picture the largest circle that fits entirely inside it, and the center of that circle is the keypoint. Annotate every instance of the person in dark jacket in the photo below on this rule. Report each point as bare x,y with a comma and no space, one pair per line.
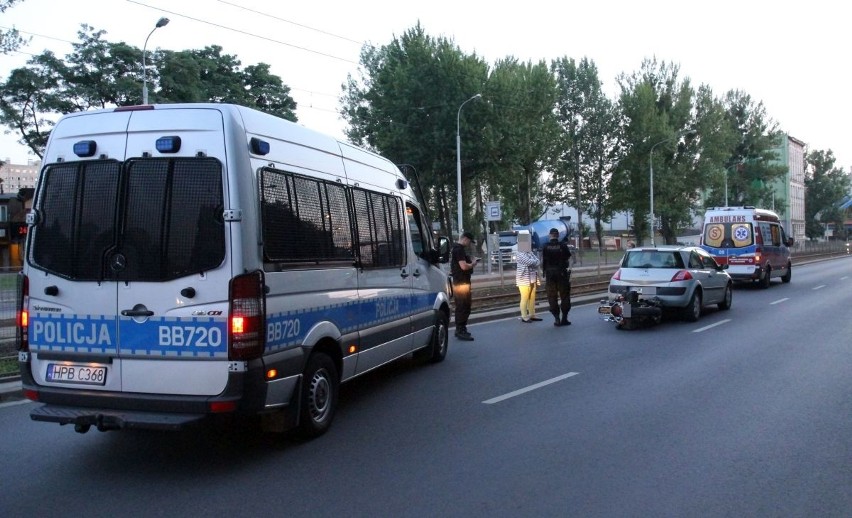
461,268
556,259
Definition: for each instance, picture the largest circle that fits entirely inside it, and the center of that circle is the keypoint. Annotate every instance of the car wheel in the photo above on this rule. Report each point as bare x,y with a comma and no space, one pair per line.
319,396
693,310
767,278
789,275
727,298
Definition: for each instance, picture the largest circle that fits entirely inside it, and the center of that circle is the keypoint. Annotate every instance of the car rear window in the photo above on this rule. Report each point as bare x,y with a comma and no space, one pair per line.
652,259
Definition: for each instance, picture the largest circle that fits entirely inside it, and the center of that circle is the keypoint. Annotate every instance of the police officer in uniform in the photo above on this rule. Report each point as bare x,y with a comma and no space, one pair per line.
461,268
555,263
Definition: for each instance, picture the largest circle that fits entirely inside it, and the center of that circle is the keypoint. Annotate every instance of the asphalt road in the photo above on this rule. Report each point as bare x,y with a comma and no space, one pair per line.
746,412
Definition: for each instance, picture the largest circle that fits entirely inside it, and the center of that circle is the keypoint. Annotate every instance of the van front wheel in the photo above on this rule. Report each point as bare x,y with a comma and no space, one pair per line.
320,385
440,338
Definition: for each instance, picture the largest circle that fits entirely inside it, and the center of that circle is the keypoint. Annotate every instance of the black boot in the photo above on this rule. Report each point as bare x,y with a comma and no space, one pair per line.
557,322
565,321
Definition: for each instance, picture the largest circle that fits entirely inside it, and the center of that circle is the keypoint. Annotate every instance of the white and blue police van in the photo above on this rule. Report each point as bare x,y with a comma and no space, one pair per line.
191,260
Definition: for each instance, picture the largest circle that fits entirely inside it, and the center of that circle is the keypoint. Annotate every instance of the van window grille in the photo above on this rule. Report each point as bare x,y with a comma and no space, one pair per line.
162,216
77,206
173,218
304,219
380,230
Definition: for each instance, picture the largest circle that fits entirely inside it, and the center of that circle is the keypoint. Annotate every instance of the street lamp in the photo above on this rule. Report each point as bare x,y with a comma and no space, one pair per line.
162,22
651,164
458,161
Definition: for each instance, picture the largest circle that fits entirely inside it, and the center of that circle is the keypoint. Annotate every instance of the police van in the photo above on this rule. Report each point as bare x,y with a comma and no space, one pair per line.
751,241
190,260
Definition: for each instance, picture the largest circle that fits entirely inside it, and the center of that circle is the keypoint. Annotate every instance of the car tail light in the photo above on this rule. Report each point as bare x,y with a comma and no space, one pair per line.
247,317
681,275
23,316
617,275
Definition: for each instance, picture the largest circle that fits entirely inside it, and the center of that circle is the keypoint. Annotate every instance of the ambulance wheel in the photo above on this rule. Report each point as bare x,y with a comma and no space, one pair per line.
766,279
320,384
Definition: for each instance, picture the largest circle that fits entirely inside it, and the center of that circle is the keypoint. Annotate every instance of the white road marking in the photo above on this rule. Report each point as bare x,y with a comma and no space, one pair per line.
779,301
711,326
14,403
844,277
528,389
821,286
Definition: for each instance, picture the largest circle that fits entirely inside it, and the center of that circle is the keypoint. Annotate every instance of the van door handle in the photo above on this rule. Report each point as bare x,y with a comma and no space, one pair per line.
136,313
417,272
403,274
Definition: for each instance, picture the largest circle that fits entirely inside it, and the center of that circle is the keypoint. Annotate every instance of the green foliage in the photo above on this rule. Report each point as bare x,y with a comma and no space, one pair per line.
10,39
591,144
100,74
658,111
826,186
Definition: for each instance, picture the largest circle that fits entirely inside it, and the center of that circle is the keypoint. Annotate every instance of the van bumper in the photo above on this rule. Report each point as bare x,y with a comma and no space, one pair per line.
104,419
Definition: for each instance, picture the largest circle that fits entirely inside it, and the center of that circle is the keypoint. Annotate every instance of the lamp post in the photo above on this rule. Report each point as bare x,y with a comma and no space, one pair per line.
162,22
651,164
458,161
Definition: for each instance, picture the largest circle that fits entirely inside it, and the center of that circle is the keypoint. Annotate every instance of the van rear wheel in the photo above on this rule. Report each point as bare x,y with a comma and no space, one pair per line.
320,385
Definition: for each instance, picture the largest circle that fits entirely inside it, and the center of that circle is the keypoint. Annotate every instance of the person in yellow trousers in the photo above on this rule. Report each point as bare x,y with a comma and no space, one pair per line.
526,277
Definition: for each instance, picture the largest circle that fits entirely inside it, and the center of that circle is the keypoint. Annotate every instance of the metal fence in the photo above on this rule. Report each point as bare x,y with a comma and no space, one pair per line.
8,311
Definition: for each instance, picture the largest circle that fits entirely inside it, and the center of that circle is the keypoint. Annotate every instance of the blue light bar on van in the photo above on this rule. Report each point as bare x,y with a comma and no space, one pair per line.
168,144
259,147
85,148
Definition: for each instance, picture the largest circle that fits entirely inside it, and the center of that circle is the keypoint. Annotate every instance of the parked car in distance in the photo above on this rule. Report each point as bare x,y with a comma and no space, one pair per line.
684,278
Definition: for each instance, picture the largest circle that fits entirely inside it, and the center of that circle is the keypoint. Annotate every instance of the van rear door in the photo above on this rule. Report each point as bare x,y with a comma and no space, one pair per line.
134,290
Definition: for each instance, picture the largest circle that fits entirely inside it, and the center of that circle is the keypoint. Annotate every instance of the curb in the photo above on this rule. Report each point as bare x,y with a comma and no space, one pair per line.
10,390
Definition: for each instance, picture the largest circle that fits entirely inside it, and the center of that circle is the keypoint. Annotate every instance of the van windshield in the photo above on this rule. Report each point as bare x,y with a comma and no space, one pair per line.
728,235
150,219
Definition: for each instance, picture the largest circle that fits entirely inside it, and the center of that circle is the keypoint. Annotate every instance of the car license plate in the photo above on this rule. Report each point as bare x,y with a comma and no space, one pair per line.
604,310
646,290
76,373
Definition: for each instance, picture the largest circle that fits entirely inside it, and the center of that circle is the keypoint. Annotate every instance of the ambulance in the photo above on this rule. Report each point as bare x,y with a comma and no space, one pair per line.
195,260
751,241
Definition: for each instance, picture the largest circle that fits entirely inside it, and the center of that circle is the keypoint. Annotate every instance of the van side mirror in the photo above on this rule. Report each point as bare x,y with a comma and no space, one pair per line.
790,241
443,250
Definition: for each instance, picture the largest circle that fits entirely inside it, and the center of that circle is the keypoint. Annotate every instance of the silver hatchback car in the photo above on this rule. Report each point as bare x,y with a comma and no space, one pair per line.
683,277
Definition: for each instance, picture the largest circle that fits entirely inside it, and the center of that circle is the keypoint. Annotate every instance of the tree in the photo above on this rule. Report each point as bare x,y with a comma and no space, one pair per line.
658,113
520,137
99,74
404,103
10,39
751,165
208,75
591,141
826,186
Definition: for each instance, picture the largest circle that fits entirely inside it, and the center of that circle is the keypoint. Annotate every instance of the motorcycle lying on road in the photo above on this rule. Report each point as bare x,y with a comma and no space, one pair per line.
628,311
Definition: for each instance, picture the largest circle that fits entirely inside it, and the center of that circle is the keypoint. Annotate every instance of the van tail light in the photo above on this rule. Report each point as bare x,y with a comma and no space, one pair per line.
23,316
246,317
757,256
617,275
681,275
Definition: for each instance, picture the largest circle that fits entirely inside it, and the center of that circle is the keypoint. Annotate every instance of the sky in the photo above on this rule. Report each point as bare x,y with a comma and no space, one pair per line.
788,56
